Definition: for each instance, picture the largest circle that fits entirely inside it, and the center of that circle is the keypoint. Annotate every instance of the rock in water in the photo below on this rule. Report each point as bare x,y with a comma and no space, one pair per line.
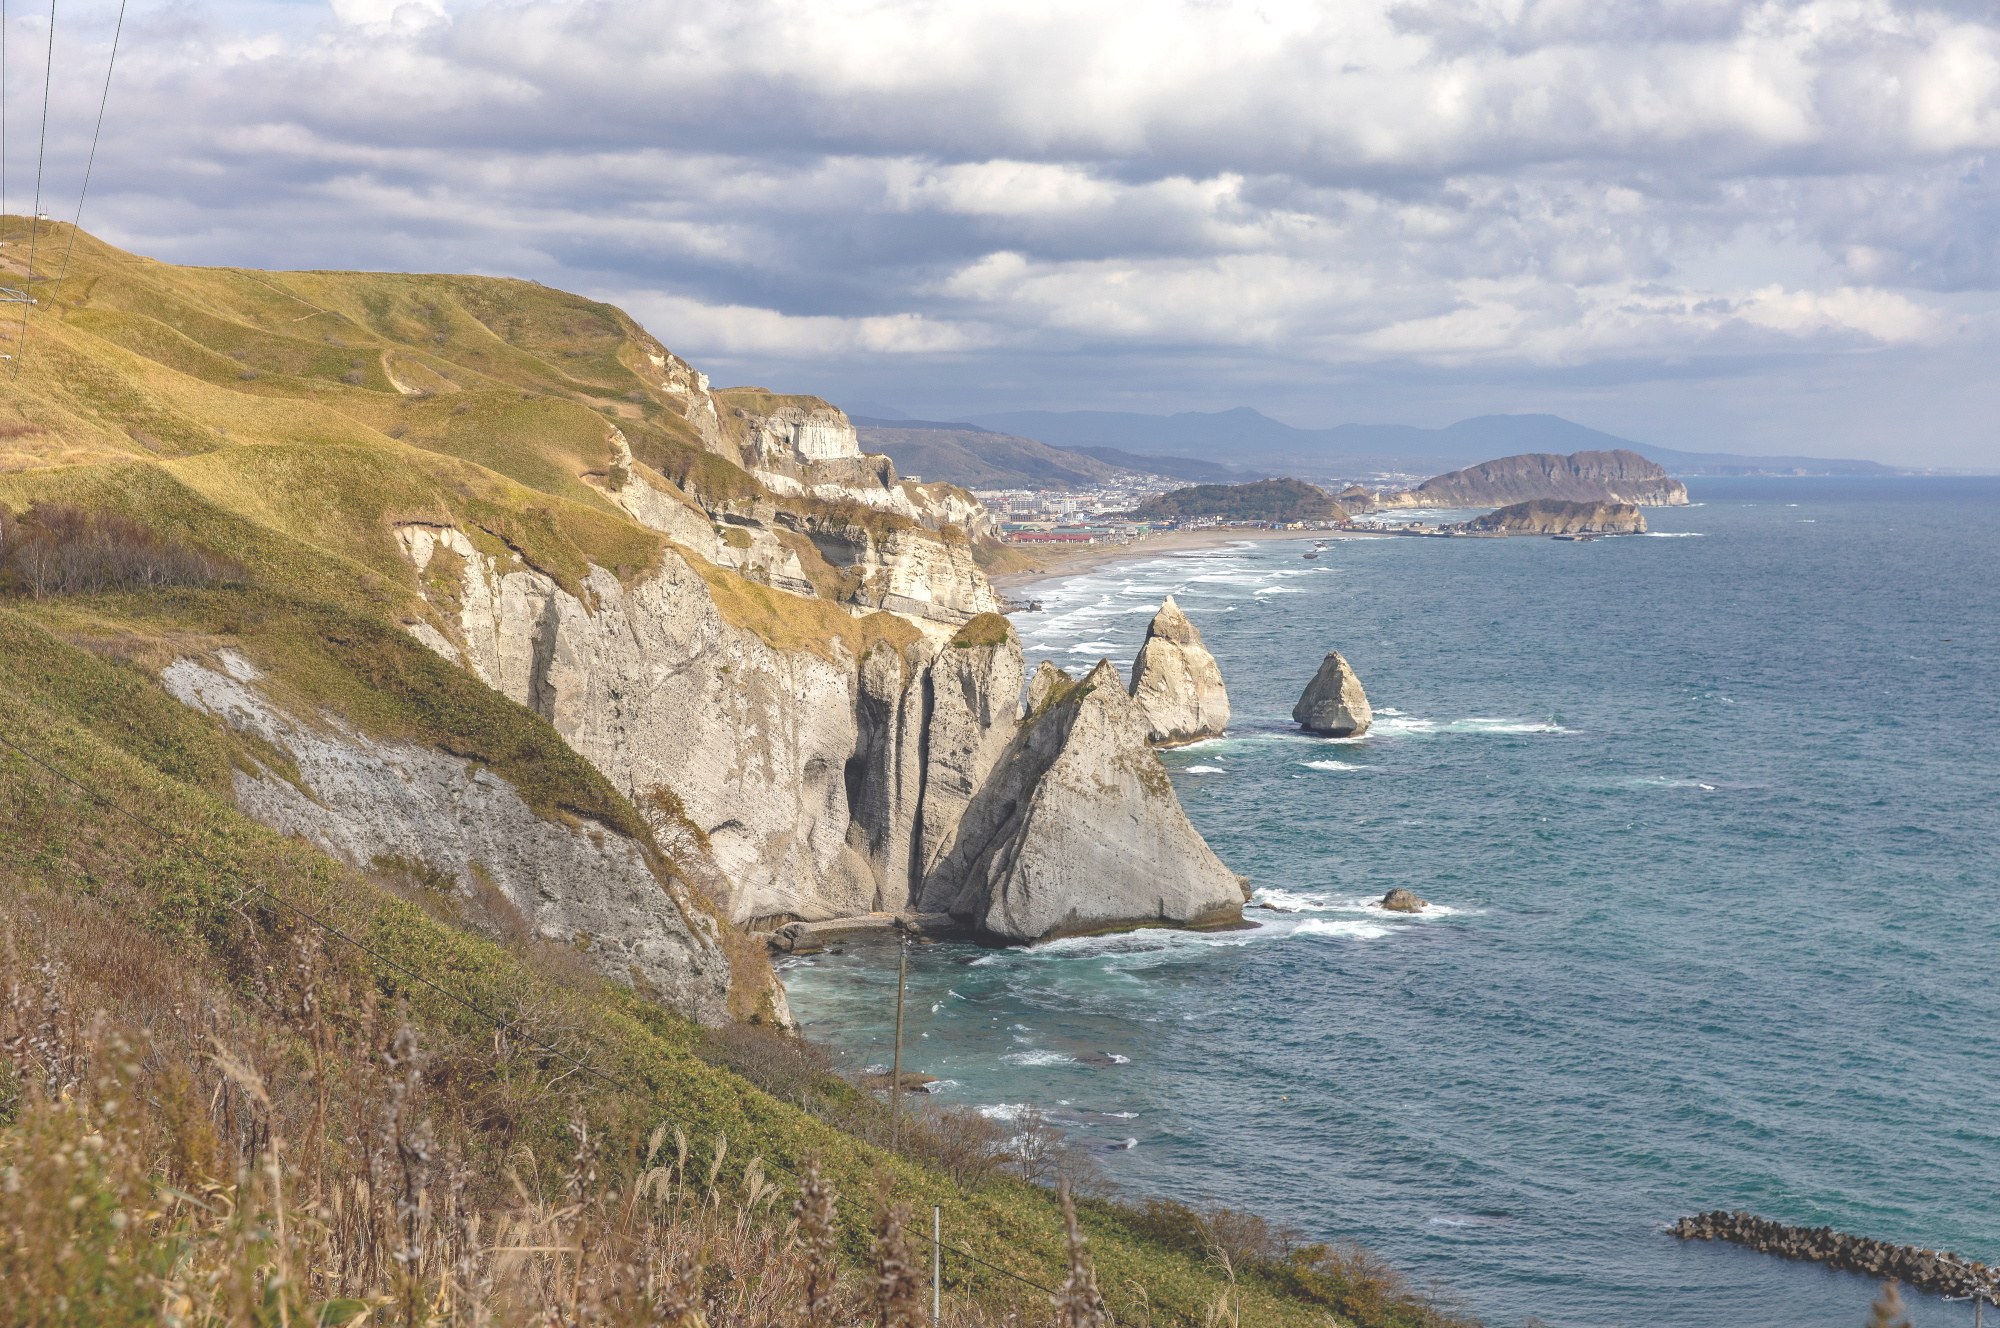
1078,830
1333,702
1177,682
1400,900
1553,516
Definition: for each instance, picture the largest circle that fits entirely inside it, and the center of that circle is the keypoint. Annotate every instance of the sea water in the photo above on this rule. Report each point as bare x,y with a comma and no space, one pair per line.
1709,826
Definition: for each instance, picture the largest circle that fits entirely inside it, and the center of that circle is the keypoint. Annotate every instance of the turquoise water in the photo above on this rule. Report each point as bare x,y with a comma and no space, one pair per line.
1709,826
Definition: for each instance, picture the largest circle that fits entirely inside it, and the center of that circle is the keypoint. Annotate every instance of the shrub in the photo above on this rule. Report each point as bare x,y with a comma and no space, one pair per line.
55,549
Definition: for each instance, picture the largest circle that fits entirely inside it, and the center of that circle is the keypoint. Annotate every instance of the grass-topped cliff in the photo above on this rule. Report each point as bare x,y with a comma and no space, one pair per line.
1263,500
248,1082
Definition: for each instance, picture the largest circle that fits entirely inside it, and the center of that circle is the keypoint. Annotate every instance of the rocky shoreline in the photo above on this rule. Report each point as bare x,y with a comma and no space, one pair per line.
1938,1271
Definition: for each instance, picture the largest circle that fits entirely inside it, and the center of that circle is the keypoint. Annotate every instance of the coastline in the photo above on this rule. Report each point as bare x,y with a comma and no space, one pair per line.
1093,557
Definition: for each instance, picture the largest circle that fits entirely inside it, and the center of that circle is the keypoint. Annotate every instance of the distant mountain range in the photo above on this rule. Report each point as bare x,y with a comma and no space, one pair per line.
1254,444
981,458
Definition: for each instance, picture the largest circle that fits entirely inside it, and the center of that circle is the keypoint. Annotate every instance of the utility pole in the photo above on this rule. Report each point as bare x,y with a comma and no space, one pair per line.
896,1073
937,1263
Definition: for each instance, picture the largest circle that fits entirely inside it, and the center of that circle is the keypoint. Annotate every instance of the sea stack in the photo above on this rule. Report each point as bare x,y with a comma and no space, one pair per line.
1177,683
1078,830
1333,702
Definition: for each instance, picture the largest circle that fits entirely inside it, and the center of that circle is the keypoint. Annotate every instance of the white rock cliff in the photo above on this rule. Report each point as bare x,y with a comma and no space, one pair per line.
1177,683
1333,702
1078,829
370,802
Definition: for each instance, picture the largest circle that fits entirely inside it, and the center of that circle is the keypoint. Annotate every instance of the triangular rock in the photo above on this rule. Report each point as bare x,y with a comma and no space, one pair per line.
1333,702
1078,829
1177,682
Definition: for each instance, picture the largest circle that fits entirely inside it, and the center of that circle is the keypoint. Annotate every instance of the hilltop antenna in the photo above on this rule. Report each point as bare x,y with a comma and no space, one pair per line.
91,162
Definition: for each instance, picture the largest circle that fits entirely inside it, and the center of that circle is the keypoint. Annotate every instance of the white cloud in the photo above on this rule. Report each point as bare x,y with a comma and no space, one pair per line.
1445,183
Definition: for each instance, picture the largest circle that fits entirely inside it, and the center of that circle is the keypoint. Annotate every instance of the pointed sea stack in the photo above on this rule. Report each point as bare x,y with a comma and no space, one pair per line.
1333,702
1078,829
1177,683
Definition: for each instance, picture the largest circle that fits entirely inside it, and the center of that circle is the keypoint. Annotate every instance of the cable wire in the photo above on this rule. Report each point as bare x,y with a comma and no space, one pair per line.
91,162
3,109
35,218
998,1269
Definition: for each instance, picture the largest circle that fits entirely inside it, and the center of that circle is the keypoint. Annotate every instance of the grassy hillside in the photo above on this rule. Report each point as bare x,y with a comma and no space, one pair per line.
244,1083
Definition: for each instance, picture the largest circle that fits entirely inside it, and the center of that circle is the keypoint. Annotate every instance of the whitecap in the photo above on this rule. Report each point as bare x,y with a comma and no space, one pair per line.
1037,1058
1331,765
1003,1111
1358,929
1204,770
1674,534
1291,899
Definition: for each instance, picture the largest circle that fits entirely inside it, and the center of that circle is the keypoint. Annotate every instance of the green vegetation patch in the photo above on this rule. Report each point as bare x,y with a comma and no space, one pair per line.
988,629
1265,500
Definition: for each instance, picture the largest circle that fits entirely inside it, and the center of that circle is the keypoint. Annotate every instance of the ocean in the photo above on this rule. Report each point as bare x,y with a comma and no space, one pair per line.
1709,825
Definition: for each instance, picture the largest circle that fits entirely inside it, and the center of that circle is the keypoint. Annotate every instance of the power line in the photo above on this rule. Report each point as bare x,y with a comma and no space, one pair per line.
35,218
998,1269
91,162
3,109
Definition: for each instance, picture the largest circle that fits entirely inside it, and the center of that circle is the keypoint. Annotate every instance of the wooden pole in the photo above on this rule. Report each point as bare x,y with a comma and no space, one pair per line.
896,1073
937,1263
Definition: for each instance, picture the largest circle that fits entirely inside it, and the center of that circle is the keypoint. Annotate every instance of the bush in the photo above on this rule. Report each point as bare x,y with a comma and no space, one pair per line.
55,549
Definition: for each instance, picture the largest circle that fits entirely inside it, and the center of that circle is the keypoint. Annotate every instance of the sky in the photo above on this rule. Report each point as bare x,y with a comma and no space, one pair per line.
1703,224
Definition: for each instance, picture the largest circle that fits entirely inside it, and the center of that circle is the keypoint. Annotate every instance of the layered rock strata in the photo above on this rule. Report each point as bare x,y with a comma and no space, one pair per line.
1078,830
375,803
1550,516
1333,702
813,783
1177,683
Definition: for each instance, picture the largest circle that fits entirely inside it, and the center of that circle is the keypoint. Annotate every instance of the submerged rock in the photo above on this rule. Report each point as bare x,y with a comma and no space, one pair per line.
1333,702
1177,683
1078,830
1400,900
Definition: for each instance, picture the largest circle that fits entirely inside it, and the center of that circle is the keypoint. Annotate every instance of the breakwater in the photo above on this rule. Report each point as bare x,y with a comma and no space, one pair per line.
1938,1271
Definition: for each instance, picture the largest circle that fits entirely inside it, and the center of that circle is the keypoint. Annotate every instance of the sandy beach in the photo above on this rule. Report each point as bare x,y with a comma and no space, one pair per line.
1093,556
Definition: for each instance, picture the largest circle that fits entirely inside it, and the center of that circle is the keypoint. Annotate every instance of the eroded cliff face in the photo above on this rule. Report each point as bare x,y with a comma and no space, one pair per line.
907,569
1078,830
1177,683
919,561
1548,516
379,804
814,784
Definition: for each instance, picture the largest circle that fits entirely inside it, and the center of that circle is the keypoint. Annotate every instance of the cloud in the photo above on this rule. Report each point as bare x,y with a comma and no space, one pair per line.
1512,185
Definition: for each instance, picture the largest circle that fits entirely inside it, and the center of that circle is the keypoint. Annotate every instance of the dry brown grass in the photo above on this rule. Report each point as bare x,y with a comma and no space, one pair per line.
153,1179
